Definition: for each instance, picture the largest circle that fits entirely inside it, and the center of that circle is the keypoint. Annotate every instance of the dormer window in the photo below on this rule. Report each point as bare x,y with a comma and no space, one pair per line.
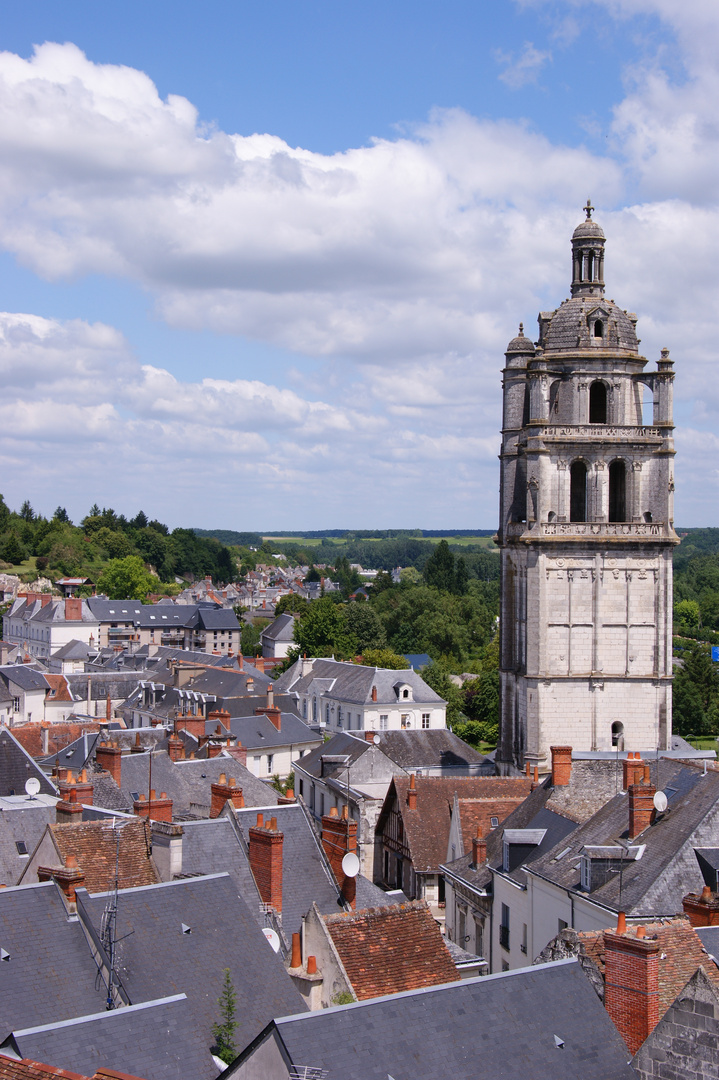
598,329
405,693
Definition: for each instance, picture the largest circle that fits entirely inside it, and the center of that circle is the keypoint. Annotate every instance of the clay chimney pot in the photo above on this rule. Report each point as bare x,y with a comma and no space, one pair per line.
333,811
296,960
311,965
260,821
641,931
621,923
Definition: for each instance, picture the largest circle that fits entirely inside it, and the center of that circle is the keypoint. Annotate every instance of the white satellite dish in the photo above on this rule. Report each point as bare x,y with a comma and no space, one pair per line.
660,801
376,740
272,937
350,865
32,786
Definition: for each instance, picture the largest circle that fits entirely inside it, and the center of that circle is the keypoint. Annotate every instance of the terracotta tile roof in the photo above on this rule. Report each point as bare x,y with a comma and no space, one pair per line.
681,950
59,690
94,845
390,949
27,1069
476,815
427,827
60,735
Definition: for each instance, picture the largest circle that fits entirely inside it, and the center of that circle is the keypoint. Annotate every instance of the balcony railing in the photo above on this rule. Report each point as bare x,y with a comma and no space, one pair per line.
601,529
595,431
504,936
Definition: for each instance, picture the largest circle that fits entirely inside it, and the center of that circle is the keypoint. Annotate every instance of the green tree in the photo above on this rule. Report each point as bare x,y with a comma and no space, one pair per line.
224,1031
116,544
313,574
62,515
323,631
26,511
4,514
439,568
12,550
436,677
365,625
409,575
384,658
126,579
291,603
696,692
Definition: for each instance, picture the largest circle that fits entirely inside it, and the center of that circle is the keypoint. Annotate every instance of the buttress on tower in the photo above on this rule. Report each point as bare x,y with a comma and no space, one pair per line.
586,529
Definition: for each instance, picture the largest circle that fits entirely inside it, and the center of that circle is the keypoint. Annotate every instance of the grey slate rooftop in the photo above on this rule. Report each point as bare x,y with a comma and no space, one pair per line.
155,1040
655,884
16,767
160,958
543,1023
50,975
413,750
354,682
22,823
215,847
258,731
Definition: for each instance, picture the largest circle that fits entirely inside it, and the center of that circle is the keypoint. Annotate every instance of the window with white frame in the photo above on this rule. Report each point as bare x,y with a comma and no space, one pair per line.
270,759
16,704
425,720
256,760
383,721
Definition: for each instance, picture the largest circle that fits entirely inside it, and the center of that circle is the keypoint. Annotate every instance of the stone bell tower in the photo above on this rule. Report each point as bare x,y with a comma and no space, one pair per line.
586,529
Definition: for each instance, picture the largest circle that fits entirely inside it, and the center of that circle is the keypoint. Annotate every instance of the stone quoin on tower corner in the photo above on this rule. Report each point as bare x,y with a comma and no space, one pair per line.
586,529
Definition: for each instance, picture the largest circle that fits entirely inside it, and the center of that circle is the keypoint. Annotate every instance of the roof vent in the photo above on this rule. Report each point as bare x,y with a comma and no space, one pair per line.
186,929
4,955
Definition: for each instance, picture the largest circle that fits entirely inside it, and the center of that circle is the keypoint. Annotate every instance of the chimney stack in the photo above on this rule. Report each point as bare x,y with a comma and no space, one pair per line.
153,808
339,836
631,984
412,793
175,747
296,959
702,909
68,877
68,809
222,791
641,808
561,765
137,747
73,609
374,693
109,757
479,851
266,842
632,770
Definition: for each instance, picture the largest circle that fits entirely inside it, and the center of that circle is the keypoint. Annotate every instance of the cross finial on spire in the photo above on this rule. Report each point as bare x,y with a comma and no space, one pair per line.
588,209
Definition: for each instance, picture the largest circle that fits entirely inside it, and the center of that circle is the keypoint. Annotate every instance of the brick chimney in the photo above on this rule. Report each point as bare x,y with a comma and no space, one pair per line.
339,836
287,798
220,716
632,770
223,790
631,984
641,808
479,851
561,765
175,747
73,609
153,808
702,909
81,788
369,735
193,723
412,793
69,877
374,693
265,845
137,747
109,757
68,809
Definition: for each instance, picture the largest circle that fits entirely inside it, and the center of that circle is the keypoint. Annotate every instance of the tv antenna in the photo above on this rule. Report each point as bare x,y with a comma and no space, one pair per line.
108,926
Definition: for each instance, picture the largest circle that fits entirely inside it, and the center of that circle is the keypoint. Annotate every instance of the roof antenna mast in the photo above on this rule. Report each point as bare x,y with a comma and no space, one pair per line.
108,926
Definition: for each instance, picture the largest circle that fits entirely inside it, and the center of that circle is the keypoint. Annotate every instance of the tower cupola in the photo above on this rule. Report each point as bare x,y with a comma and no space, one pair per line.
588,257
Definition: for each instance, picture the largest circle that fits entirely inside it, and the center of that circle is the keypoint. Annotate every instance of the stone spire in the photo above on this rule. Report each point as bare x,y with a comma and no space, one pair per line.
588,257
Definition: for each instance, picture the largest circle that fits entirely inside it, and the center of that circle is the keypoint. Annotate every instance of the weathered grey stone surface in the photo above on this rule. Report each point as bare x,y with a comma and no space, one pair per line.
685,1043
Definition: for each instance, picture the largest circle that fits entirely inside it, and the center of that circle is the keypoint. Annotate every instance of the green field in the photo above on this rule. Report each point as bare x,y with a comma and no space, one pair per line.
315,541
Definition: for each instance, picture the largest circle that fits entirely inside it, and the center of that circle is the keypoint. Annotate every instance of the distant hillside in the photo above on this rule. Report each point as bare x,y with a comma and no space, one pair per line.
231,538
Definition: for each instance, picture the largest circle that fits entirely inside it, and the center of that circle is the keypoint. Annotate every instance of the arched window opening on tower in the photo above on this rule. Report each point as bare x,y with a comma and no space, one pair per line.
525,408
590,266
618,735
599,329
617,491
598,403
647,406
578,492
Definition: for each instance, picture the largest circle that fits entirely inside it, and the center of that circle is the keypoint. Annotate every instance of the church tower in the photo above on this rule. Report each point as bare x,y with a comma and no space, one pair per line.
586,529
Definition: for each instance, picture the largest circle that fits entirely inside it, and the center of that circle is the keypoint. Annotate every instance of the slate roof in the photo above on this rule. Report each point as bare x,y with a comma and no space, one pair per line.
476,1029
188,782
422,749
60,735
281,629
341,745
568,328
692,797
25,676
155,1039
16,767
354,682
74,755
389,949
709,937
94,844
158,957
214,847
257,732
50,975
427,827
73,650
22,821
218,619
306,876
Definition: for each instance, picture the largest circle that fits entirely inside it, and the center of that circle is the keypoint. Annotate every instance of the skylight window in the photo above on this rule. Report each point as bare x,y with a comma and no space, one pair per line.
21,847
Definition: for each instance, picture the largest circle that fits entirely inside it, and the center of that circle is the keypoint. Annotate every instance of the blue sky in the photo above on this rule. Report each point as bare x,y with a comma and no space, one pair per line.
259,263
